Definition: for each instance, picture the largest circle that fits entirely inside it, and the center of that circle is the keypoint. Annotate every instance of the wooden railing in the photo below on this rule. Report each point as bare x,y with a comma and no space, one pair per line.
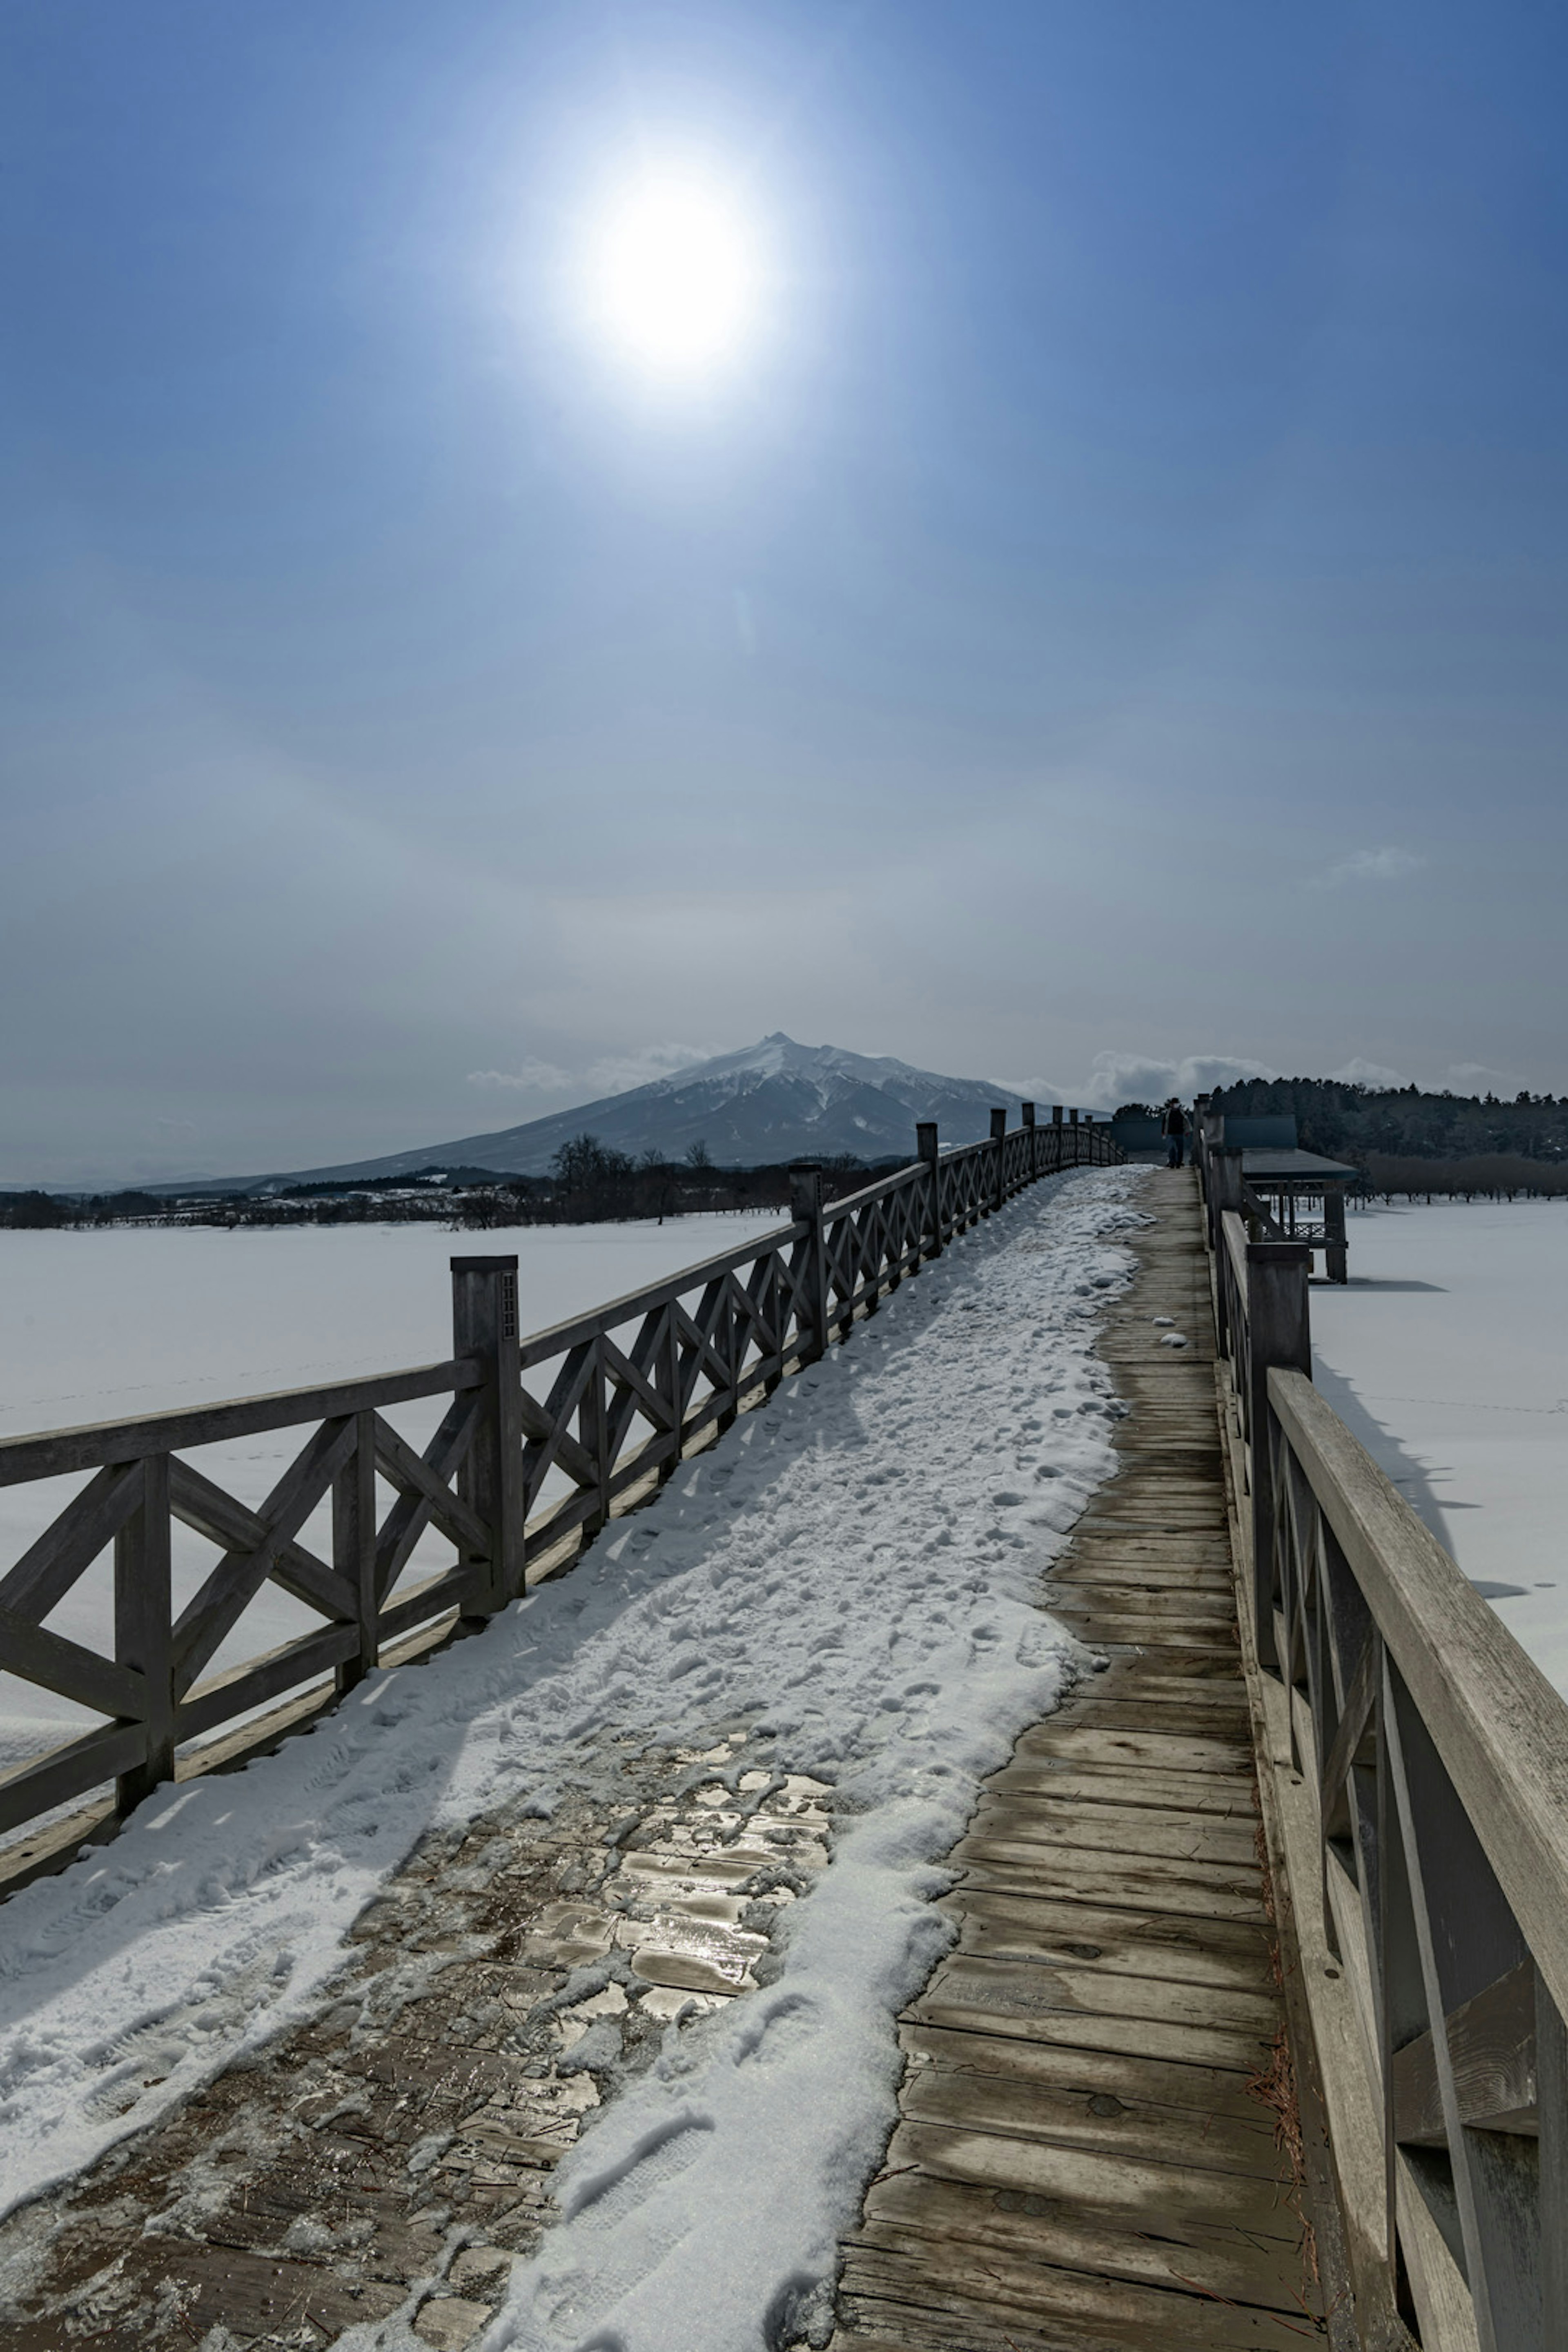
544,1439
1414,1777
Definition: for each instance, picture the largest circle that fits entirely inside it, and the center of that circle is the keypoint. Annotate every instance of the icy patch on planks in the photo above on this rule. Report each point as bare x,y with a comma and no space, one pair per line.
392,2161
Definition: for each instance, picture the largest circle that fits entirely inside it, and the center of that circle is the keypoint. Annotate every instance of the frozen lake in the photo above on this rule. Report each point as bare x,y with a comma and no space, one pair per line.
96,1325
1447,1354
100,1326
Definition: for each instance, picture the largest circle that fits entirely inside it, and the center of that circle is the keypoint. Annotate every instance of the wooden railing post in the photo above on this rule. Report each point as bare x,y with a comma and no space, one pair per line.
805,1208
143,1626
1551,2099
927,1149
1336,1256
354,1549
484,1324
998,1149
1034,1135
1225,1189
1278,1333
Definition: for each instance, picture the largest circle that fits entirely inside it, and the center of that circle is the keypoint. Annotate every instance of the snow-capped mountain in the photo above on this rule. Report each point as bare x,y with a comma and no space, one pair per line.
772,1101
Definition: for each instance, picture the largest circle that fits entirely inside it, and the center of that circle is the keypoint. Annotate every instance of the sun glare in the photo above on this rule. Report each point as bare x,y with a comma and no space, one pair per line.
674,276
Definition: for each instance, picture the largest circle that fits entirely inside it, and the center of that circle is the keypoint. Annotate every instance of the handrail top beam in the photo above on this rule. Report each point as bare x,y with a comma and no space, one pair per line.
1498,1724
92,1445
538,1347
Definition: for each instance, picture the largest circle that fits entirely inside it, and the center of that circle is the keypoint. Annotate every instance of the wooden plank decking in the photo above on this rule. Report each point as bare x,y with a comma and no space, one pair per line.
1085,2157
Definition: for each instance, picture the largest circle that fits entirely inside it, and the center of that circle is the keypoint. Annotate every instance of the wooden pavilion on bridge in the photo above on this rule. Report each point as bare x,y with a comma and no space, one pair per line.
1257,1165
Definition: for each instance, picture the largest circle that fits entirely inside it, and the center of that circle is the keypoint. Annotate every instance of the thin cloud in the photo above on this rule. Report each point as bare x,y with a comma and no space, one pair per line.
532,1078
617,1072
1371,866
1360,1073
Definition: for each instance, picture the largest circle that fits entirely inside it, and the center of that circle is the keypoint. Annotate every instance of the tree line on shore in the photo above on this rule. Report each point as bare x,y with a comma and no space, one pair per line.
1419,1145
1484,1176
1359,1123
590,1182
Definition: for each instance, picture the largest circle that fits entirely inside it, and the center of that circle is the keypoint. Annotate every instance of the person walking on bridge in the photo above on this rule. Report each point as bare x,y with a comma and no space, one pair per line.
1174,1128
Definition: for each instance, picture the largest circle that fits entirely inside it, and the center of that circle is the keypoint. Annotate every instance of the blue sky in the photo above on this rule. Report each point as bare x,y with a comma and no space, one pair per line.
1108,613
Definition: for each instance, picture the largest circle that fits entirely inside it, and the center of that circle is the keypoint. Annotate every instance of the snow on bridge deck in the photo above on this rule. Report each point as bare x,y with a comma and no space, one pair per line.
590,1828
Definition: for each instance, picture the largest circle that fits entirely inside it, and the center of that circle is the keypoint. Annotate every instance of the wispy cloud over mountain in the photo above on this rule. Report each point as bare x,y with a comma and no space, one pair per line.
1141,1077
610,1074
530,1077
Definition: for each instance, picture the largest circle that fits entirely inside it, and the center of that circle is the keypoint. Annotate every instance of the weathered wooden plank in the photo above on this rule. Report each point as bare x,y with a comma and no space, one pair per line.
1031,1820
1137,1631
986,2301
997,1997
1179,2087
1174,1676
1127,1709
1193,1609
1026,1921
1141,1574
1193,1792
1143,1882
1145,2015
1156,1751
1133,2187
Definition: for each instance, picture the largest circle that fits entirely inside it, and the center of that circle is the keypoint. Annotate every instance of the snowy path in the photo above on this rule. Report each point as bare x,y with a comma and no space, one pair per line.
854,1566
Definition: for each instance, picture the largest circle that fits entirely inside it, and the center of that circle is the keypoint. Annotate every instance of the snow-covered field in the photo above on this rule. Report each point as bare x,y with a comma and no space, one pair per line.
99,1326
857,1567
1447,1353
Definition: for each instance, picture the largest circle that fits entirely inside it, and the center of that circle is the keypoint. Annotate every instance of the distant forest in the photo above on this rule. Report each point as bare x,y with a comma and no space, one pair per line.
1405,1141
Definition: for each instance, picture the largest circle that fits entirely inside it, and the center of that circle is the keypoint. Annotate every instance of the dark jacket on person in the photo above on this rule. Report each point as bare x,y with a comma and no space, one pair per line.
1174,1121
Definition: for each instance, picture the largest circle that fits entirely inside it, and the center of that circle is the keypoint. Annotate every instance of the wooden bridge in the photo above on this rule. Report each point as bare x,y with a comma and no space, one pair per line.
1253,2030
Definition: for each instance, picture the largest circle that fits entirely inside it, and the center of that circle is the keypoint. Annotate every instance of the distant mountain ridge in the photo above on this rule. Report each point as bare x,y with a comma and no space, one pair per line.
772,1101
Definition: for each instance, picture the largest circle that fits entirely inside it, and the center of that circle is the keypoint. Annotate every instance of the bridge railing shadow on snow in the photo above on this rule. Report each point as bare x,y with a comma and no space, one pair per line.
1413,1765
544,1439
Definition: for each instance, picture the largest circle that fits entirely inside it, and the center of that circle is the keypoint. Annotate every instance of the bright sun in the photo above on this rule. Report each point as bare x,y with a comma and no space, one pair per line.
674,276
